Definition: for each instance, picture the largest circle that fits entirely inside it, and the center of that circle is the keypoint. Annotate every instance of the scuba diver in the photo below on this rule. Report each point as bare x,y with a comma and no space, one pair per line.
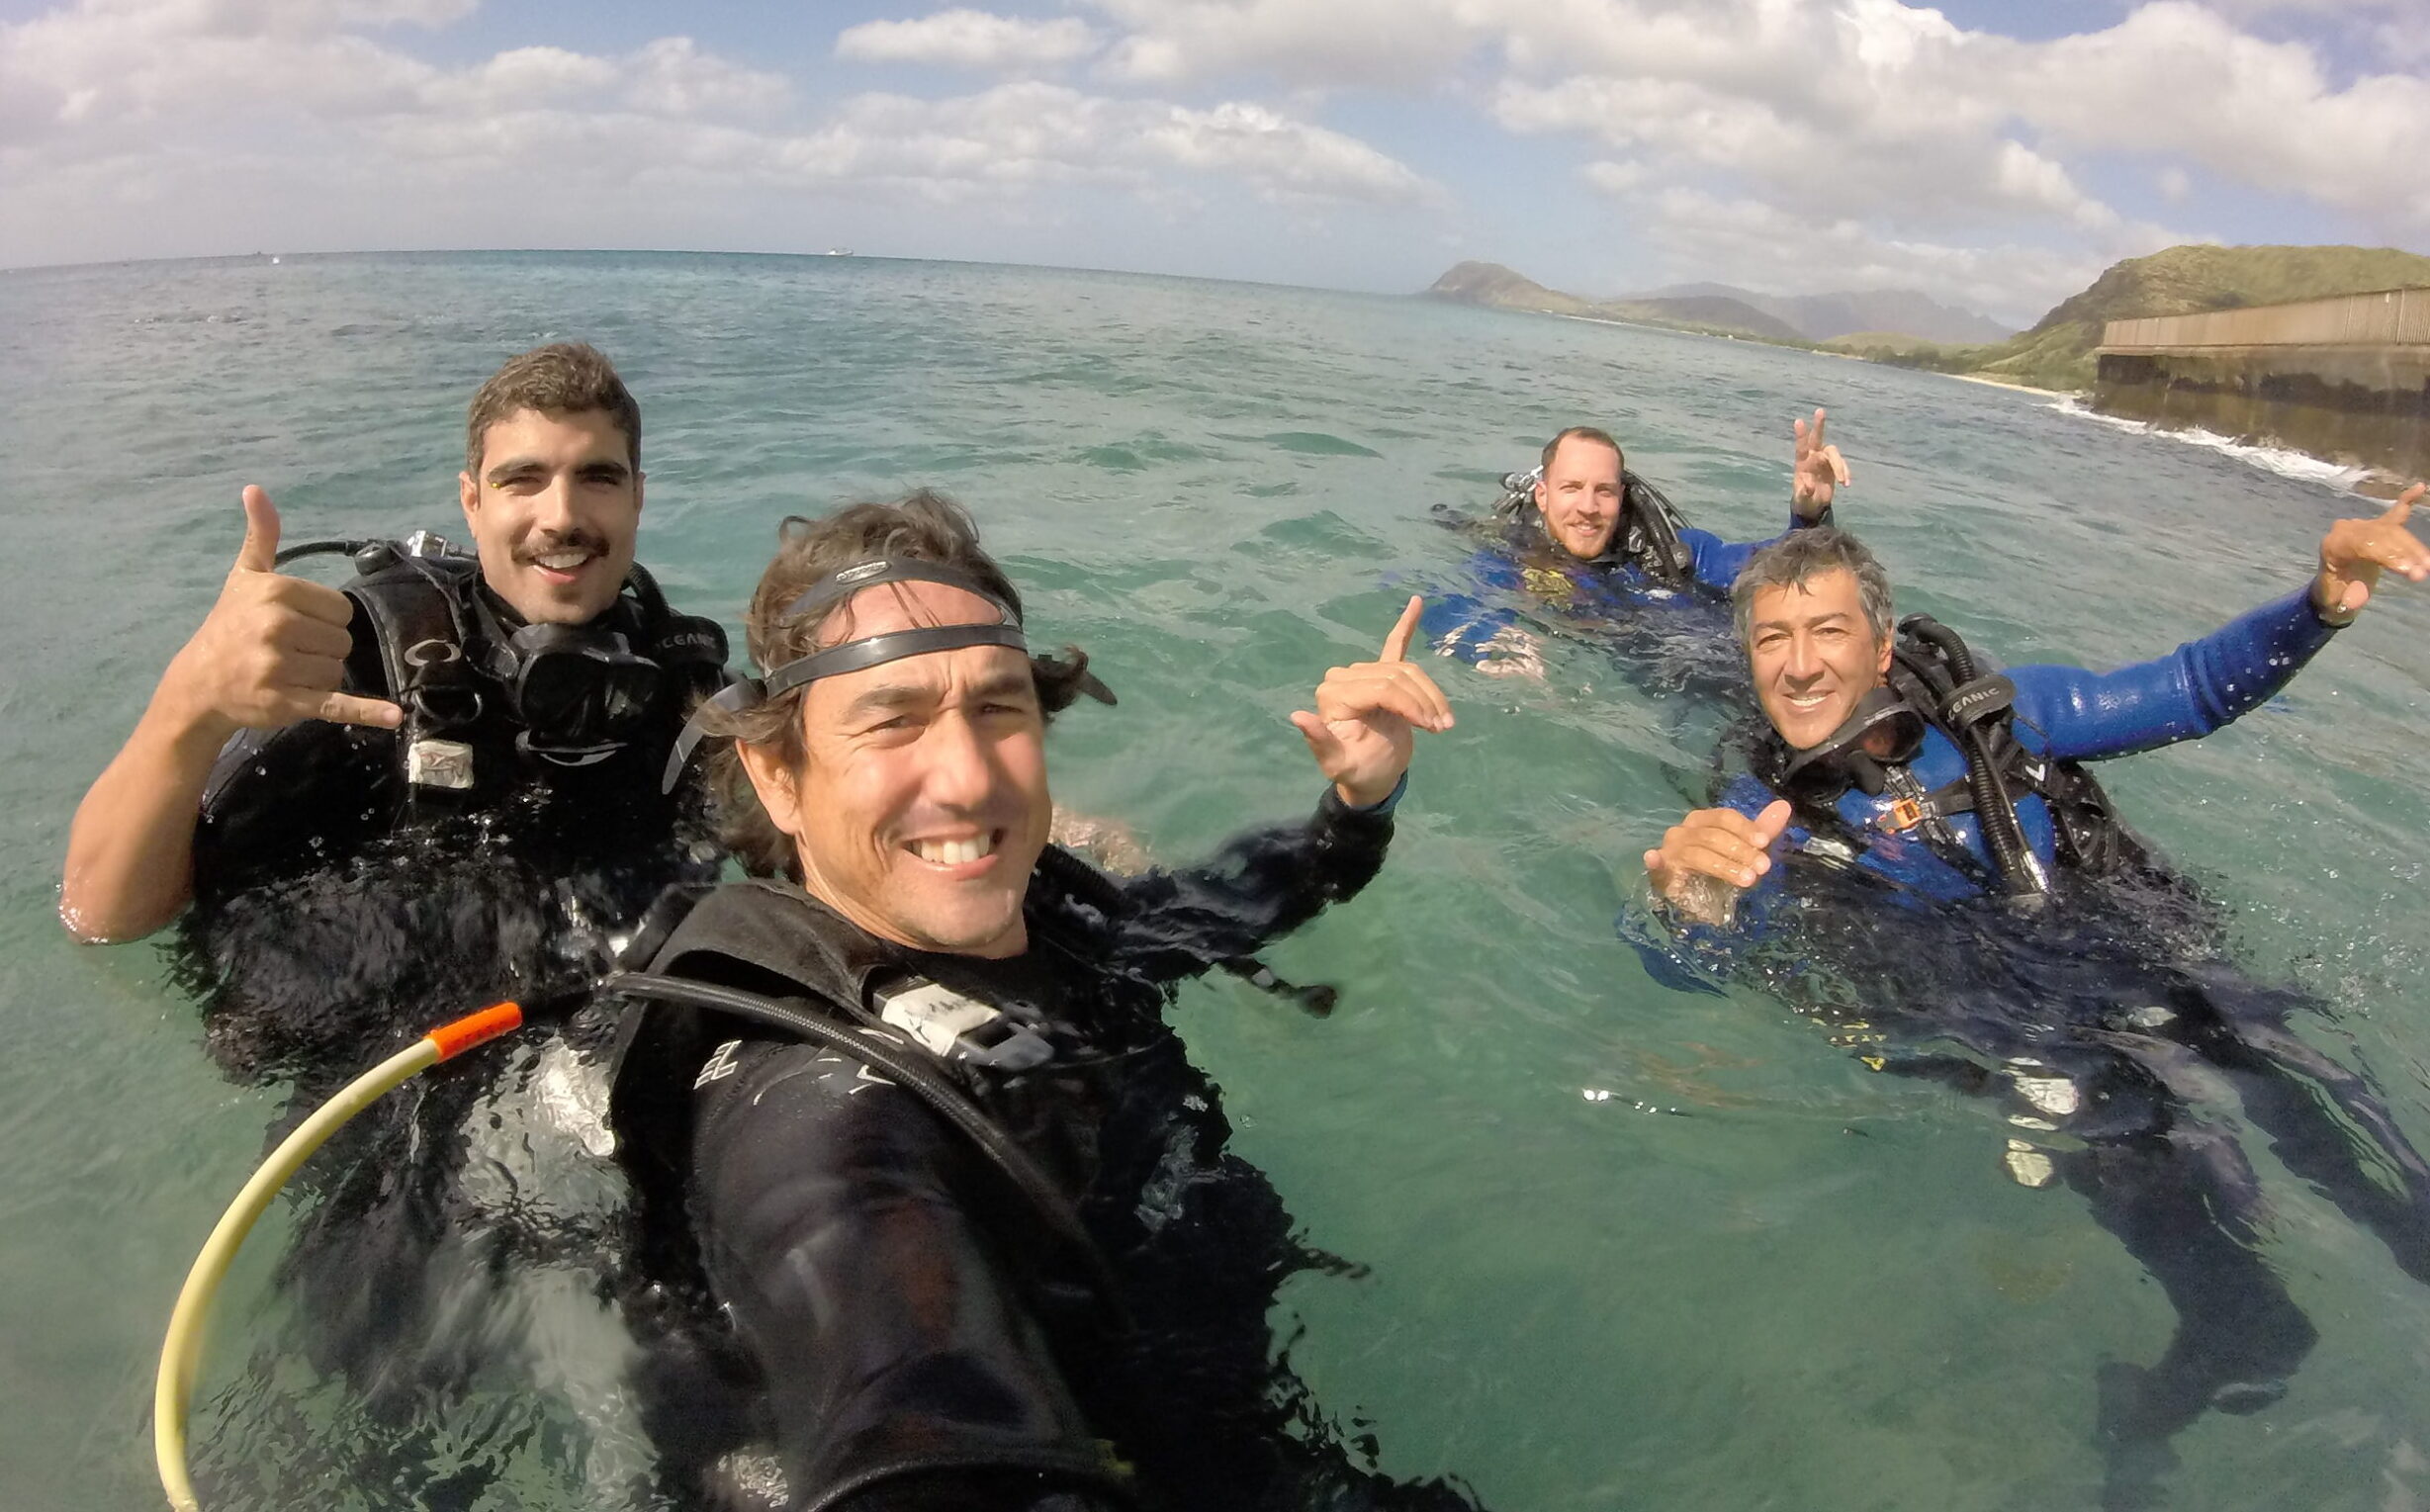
1595,544
907,1122
436,786
2036,952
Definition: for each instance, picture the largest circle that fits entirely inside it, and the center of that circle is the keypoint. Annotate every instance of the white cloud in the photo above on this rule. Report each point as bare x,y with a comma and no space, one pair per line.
972,39
2177,79
1867,105
1614,177
118,102
1767,247
1337,44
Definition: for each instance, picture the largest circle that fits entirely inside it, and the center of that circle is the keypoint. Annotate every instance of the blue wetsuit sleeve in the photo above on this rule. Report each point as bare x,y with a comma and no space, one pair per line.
1718,562
1462,623
2194,690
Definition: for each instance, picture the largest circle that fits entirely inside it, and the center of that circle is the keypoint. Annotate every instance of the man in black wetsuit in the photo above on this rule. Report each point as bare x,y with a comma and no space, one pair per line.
385,804
969,1210
301,722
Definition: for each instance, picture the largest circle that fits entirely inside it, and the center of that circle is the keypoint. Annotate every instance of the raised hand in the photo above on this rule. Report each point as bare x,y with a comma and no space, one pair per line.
273,648
1362,731
1820,472
2355,552
1709,858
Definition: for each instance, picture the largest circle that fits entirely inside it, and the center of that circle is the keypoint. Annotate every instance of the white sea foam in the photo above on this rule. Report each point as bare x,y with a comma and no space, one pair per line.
2284,461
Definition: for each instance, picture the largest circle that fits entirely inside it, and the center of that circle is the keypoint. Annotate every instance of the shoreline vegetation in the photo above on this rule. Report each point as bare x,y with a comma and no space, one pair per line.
2056,356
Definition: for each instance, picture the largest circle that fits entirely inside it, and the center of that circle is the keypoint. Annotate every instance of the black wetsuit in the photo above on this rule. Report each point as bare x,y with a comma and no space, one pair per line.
340,911
922,1334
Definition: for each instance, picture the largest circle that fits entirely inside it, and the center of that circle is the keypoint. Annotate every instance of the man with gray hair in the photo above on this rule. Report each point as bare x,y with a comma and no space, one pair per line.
1898,788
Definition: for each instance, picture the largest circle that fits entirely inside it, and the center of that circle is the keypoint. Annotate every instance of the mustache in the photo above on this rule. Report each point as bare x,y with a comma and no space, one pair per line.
551,541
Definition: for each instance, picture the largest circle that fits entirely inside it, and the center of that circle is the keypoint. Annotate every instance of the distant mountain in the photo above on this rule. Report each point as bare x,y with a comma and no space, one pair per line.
1822,317
1491,285
1498,288
2057,353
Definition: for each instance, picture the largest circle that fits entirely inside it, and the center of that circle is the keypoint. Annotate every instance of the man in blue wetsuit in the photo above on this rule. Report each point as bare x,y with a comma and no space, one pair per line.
1594,542
1896,774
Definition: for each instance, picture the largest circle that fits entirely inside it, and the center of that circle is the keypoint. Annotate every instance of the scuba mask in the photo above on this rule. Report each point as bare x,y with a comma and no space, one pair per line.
1820,773
576,689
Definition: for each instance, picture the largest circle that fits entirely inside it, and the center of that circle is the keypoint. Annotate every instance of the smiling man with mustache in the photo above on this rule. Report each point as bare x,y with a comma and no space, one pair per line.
370,806
303,721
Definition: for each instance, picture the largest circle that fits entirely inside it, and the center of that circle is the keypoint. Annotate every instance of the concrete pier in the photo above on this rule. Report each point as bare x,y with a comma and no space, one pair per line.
2346,378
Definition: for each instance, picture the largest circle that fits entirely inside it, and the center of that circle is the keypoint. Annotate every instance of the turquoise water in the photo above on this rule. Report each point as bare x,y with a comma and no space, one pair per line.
1627,1247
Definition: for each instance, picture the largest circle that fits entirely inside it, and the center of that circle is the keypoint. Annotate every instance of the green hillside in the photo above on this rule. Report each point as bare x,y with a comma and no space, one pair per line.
2057,353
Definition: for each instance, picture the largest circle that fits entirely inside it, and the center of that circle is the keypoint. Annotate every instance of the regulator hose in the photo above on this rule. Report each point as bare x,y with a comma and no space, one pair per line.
1995,812
181,1353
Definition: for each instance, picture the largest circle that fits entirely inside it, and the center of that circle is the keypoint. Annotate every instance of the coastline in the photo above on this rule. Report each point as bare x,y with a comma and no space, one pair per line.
2007,382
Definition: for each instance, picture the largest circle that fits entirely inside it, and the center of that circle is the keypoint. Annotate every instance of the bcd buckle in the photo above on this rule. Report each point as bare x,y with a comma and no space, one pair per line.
1905,813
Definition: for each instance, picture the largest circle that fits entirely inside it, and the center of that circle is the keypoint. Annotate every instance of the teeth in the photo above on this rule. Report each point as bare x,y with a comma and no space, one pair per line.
953,852
563,561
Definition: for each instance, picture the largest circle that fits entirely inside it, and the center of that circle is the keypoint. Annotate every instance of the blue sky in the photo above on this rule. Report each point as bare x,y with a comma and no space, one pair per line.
1995,155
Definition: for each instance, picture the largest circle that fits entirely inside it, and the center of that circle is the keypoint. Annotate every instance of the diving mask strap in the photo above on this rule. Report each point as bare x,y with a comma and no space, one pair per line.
852,655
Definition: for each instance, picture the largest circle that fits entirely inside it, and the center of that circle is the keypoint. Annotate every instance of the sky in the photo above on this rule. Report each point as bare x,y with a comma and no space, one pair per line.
1995,155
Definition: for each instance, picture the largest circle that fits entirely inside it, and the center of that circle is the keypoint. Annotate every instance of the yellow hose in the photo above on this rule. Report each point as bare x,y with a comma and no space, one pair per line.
181,1354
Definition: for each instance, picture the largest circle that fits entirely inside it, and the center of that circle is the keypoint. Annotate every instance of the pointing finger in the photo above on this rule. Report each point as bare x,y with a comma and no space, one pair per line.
1397,643
260,551
2403,509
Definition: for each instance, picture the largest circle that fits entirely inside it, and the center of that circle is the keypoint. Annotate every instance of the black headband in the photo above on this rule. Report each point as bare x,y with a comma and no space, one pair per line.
854,655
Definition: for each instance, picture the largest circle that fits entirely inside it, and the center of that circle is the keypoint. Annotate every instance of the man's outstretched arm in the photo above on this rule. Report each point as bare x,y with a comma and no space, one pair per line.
1362,733
1817,474
2207,682
272,651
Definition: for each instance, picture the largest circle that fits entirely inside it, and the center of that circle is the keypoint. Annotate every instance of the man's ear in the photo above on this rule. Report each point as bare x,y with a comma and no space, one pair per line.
468,494
773,780
1881,663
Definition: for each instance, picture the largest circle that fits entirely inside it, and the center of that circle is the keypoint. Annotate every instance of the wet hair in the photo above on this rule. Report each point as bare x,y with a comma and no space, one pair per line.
1802,556
923,526
1583,433
566,378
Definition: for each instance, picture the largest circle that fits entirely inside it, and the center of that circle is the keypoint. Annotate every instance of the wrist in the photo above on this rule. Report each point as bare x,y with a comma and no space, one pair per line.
2323,597
187,723
1370,802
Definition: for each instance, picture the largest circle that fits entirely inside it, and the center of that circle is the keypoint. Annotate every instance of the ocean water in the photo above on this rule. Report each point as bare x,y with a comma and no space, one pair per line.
1625,1247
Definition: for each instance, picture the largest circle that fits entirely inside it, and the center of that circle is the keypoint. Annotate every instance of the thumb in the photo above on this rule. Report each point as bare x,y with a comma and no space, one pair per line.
1773,819
260,551
1320,741
2351,602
